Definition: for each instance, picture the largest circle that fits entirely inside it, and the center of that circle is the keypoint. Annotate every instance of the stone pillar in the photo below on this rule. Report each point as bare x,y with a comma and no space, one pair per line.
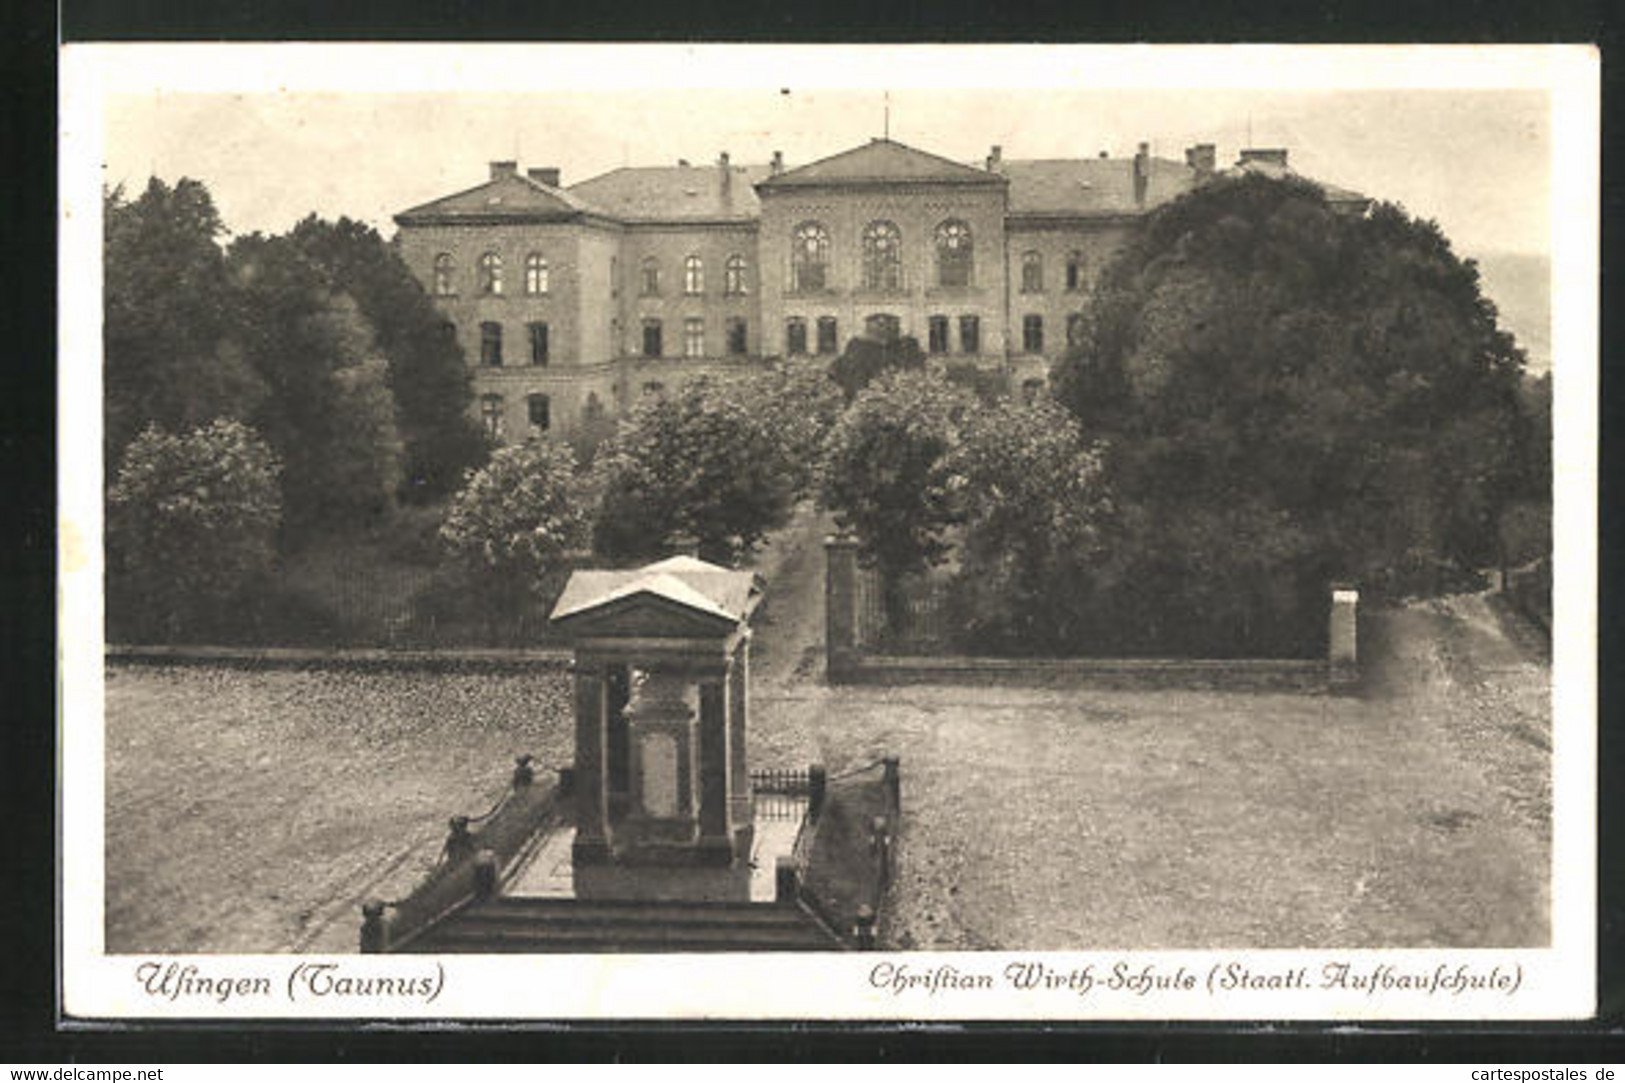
738,712
592,842
716,838
840,603
1341,641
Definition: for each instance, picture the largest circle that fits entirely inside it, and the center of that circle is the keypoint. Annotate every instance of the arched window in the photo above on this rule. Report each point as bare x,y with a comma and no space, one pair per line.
445,268
491,274
733,277
955,253
1074,271
650,277
809,256
882,256
535,273
1032,273
693,275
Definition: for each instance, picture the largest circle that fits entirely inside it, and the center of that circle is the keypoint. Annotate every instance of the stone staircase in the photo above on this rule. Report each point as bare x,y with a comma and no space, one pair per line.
508,924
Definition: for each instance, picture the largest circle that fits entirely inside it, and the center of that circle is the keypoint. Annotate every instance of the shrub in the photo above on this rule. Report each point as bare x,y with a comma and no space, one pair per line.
192,520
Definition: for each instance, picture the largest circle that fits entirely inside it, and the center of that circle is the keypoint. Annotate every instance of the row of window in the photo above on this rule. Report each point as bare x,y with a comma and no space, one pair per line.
491,342
538,413
736,337
882,256
809,265
1032,272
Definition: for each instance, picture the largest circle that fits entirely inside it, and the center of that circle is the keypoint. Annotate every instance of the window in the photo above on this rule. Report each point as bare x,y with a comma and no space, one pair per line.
1032,273
1032,334
651,338
809,258
693,337
882,257
491,416
795,336
448,330
1031,390
937,334
445,269
491,274
737,337
1075,329
970,334
538,343
955,254
1074,271
883,326
827,335
540,412
535,274
693,276
733,277
651,277
594,408
491,344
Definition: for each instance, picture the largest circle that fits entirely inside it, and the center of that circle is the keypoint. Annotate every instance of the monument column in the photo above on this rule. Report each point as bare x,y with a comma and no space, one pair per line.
716,838
591,843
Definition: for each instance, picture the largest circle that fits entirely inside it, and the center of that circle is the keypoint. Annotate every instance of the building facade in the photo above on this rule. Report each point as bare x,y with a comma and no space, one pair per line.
571,302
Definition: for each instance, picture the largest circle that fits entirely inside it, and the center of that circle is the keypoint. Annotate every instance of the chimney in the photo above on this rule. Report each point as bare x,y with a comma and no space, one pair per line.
1104,156
1142,173
727,174
548,175
778,162
1269,155
683,162
1203,158
994,157
504,169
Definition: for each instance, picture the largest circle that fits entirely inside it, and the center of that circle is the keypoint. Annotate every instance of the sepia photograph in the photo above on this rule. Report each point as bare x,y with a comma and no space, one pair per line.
1085,524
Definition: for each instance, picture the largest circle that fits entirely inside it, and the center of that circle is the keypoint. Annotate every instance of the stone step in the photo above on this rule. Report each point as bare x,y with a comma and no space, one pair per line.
464,936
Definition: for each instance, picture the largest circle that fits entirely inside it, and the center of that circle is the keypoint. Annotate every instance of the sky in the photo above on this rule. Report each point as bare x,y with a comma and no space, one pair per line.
1476,161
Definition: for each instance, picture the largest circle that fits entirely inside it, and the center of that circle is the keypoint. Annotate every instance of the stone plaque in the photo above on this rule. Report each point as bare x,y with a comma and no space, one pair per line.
660,774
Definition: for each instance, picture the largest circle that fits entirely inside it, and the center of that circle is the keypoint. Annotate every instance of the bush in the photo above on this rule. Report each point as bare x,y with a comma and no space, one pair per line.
192,520
866,359
705,462
513,523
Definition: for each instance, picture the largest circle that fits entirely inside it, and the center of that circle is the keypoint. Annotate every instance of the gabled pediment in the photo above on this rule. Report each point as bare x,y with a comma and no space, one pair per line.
507,196
882,162
677,598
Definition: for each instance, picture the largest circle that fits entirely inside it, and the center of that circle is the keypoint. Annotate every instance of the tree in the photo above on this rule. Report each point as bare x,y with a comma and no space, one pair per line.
192,520
328,413
887,474
514,521
425,368
867,357
1032,498
702,463
798,405
1290,395
168,310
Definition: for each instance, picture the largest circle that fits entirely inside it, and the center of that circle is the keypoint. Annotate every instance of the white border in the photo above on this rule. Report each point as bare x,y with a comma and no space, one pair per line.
1554,983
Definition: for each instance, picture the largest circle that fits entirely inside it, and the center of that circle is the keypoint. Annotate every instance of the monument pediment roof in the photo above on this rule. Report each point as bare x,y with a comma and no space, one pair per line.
677,596
881,161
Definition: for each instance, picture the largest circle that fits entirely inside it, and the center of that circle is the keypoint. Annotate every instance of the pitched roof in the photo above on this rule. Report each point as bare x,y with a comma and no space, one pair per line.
1278,171
881,160
506,196
694,584
674,193
1089,186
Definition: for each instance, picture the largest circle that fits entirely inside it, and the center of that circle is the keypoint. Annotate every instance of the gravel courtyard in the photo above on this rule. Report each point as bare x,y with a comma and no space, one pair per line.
251,810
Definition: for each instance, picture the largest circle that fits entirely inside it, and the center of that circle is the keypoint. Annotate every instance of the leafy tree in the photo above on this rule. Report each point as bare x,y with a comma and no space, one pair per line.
704,462
1035,511
328,413
168,312
1290,395
513,523
868,357
887,474
798,405
426,371
191,521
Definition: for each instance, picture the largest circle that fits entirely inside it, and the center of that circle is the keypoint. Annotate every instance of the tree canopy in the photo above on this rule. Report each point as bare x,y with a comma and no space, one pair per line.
1290,395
